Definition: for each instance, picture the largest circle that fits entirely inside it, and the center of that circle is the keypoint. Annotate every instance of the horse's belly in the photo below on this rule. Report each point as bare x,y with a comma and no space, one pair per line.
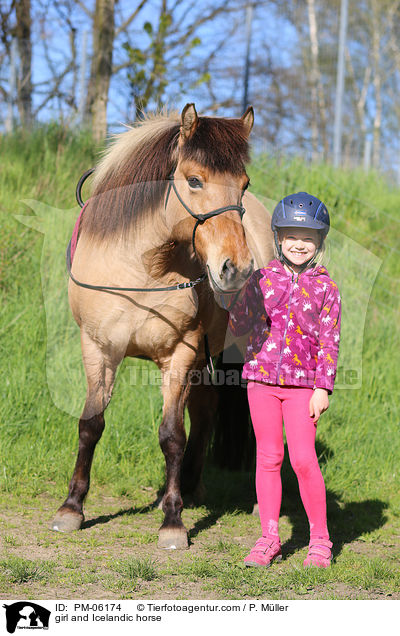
134,324
157,336
131,326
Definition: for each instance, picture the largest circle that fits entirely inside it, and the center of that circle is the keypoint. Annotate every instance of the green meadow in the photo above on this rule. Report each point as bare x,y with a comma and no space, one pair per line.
115,554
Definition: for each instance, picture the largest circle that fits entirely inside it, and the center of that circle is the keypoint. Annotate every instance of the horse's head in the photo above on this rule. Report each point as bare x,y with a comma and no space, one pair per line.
209,182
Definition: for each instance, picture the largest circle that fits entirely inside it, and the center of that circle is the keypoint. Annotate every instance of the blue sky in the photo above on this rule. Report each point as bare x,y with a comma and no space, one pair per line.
266,23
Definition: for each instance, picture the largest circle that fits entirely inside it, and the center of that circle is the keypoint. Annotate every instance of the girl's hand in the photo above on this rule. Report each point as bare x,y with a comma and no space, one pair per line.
319,403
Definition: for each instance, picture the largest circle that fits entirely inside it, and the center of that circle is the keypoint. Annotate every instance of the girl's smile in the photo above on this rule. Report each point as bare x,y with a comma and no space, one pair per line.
299,245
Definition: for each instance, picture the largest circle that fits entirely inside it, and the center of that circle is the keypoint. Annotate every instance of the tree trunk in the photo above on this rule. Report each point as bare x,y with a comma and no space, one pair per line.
24,82
101,68
317,94
360,100
395,51
156,83
376,36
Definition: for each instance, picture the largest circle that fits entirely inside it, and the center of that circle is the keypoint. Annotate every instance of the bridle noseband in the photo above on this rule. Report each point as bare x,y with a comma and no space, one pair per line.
200,218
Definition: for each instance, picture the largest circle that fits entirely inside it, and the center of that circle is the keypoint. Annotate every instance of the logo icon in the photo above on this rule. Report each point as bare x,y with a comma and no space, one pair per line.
26,615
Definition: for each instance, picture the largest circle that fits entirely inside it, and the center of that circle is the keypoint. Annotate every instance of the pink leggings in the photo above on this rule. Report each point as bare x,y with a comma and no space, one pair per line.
268,404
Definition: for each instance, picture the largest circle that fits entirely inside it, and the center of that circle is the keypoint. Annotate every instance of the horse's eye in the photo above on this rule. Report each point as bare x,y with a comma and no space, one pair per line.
194,182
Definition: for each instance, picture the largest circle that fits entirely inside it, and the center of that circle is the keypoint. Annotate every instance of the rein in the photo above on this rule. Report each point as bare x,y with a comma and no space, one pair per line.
186,285
200,219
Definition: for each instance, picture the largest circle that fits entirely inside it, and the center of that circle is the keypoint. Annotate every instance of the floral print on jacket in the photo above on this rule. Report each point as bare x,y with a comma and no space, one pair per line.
294,325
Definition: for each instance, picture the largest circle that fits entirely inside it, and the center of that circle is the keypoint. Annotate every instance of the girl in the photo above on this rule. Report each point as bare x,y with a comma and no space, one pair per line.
292,310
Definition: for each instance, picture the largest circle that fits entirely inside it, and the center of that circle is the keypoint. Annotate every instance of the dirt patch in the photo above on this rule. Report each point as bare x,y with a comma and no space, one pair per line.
93,563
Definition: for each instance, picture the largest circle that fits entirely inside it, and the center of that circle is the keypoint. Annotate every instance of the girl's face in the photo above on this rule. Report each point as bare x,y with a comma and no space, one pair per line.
299,244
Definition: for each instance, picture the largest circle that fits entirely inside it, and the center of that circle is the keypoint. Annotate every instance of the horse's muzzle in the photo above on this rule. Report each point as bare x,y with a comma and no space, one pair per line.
230,278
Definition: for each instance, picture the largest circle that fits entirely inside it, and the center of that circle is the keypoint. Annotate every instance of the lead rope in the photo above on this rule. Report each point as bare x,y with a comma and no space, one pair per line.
200,218
209,361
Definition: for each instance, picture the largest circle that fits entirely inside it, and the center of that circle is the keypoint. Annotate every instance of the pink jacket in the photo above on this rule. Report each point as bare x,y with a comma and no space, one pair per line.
294,325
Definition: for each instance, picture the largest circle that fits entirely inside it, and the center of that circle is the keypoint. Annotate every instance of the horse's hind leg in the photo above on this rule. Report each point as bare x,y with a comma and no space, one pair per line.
100,380
202,406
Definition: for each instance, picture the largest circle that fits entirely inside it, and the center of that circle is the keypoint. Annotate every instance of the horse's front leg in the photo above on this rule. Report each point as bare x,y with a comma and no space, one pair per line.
172,436
100,374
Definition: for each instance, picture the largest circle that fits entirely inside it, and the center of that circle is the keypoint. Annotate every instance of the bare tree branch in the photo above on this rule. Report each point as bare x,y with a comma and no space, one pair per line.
84,8
55,89
203,19
131,18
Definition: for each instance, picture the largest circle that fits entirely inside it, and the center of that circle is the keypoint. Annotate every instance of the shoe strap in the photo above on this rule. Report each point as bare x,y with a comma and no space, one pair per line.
263,545
320,547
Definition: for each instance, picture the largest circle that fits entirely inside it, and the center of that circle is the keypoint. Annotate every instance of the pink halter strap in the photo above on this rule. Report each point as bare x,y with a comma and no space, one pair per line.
75,233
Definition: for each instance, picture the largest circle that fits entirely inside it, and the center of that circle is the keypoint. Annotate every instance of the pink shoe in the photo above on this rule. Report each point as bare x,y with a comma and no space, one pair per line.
319,554
264,553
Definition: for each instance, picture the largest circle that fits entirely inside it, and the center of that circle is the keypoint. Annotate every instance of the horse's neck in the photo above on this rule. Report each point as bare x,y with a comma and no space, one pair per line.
158,260
172,259
159,252
165,244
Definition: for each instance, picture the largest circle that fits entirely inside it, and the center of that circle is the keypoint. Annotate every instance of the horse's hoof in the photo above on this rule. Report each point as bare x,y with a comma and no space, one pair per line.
255,510
66,521
173,539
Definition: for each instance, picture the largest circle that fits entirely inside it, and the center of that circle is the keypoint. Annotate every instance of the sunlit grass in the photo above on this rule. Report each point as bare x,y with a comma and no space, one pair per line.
144,568
19,570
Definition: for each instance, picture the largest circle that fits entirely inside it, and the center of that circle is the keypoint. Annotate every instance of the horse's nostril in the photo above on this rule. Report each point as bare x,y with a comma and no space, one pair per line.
228,268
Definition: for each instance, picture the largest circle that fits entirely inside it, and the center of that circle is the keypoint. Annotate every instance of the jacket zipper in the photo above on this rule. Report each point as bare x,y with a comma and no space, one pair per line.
286,328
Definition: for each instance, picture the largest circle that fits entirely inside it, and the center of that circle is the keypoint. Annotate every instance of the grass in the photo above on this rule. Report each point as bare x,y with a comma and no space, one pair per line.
358,442
112,561
19,570
137,568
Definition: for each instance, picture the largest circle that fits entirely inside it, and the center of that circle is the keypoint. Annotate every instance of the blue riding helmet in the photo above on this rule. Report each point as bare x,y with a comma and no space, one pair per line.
301,210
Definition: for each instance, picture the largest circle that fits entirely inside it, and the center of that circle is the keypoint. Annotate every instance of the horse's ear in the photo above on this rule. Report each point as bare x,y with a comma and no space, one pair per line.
248,119
189,121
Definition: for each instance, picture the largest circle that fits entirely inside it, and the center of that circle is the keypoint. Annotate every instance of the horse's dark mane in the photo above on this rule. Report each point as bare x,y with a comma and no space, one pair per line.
221,145
131,180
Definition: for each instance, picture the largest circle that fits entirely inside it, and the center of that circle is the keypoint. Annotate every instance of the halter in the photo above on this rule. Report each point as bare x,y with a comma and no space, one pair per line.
200,218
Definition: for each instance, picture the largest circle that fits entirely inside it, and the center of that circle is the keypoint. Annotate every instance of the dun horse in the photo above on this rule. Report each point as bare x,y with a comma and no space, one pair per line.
166,209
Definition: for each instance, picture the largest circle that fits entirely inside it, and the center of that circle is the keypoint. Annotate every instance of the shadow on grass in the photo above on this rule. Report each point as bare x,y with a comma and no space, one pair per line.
347,520
121,513
230,492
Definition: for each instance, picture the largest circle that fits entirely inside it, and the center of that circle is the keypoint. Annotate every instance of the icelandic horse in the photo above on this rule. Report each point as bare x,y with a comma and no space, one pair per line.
165,209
